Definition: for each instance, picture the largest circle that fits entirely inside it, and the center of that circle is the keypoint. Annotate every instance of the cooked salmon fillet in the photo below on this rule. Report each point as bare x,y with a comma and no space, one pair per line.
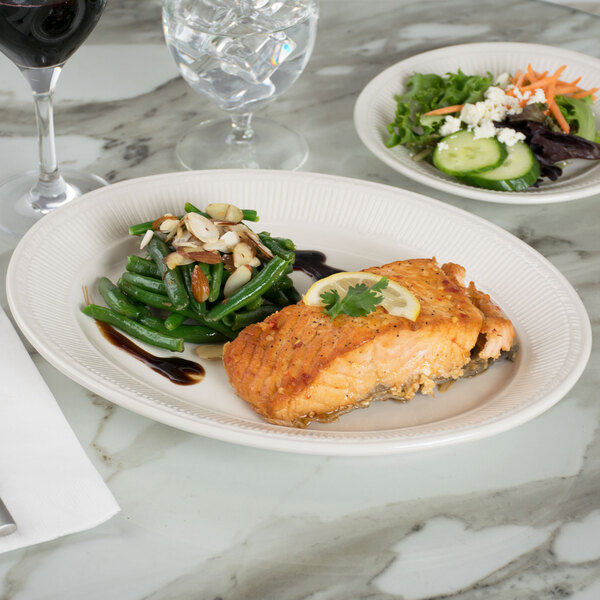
298,365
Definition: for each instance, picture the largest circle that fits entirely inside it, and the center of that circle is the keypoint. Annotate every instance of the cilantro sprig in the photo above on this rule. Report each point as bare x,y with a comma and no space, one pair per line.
359,301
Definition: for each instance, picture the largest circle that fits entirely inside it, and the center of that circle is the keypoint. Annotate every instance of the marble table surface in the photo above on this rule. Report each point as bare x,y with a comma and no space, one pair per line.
515,516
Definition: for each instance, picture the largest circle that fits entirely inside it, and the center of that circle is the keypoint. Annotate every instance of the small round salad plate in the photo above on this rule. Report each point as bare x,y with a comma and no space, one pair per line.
376,106
356,224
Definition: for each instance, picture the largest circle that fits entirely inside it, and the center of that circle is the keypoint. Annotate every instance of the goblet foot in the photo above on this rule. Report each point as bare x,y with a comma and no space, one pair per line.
211,145
18,204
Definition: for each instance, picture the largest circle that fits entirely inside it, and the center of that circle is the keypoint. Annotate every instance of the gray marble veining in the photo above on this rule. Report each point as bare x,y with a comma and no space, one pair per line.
516,516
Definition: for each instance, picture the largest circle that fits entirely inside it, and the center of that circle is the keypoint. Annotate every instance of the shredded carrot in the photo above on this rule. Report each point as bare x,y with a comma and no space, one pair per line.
541,83
574,82
520,79
445,110
554,109
584,93
552,86
531,76
566,89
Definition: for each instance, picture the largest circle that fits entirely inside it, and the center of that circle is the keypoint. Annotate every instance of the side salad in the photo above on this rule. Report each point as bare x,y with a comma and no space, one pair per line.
504,133
205,276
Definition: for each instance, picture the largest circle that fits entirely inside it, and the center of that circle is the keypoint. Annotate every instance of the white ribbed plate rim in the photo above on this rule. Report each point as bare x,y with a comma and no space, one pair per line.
375,108
56,256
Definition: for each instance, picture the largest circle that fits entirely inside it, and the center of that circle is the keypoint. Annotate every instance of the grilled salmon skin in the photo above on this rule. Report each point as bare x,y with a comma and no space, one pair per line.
298,365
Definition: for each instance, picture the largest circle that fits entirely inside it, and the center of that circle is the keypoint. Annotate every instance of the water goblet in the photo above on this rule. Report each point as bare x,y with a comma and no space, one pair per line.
242,54
38,36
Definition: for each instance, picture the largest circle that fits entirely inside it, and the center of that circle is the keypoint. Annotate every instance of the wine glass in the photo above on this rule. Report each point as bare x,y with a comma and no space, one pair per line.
242,54
39,36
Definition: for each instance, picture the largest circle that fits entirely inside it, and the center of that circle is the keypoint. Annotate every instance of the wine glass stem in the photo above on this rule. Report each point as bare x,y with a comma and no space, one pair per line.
241,130
51,188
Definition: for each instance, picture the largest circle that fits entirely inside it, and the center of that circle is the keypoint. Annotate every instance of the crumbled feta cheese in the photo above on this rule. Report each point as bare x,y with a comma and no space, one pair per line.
509,136
450,125
470,114
538,97
443,146
485,130
495,94
502,80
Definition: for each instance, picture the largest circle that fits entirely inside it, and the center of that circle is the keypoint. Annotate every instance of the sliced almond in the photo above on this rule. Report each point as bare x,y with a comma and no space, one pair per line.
169,225
246,232
221,223
217,210
186,240
234,214
175,259
225,212
146,239
209,350
200,285
219,245
230,240
210,258
201,227
241,276
255,262
166,217
243,253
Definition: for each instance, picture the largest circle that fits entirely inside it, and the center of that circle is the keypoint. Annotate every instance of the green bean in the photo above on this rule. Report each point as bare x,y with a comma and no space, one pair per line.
285,243
147,283
172,277
255,303
250,215
140,228
161,301
174,320
214,325
228,320
189,207
257,286
136,330
150,298
293,295
274,246
117,300
142,266
216,280
277,297
196,334
283,283
244,318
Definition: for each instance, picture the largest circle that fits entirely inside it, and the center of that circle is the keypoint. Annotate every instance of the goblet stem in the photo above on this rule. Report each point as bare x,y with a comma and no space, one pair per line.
51,190
241,130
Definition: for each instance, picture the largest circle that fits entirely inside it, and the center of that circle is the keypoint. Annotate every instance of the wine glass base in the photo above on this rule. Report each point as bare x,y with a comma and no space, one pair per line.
17,214
273,146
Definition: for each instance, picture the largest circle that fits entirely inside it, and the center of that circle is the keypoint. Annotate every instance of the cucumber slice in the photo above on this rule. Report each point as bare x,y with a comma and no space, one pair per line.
460,153
519,171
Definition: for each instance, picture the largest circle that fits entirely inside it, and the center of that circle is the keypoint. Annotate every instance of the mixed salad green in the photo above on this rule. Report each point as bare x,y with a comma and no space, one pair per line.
504,133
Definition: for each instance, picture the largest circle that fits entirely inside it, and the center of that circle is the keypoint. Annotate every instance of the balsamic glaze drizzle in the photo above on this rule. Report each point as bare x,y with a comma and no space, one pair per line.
178,370
312,262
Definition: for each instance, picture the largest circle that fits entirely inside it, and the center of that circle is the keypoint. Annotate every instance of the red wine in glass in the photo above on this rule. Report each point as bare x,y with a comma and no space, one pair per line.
39,36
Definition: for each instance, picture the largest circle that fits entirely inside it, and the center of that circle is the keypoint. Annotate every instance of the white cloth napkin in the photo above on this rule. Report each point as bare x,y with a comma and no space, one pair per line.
47,481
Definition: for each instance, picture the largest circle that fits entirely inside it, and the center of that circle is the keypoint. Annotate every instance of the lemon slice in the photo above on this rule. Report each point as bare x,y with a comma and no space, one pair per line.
397,300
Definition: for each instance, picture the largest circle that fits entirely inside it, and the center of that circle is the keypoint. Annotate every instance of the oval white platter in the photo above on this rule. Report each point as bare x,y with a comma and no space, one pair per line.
376,106
356,224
